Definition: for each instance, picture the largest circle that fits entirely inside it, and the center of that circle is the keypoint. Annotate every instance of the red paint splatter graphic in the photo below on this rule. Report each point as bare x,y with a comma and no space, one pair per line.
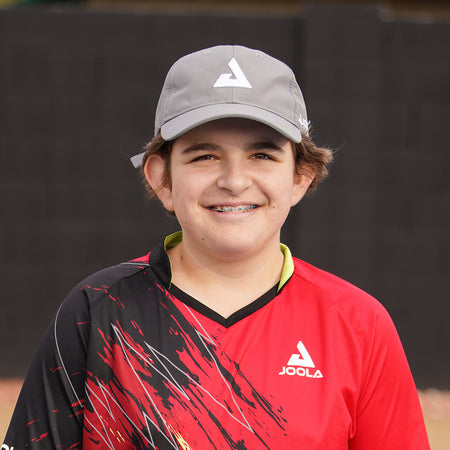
184,400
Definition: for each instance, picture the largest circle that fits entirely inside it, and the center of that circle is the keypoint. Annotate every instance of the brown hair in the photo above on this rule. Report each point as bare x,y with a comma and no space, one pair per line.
308,159
312,159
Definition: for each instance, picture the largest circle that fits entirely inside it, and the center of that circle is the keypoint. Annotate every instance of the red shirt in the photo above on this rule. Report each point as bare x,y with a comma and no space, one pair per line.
130,361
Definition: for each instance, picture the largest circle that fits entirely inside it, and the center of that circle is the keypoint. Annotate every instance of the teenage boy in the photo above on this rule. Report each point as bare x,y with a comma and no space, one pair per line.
219,338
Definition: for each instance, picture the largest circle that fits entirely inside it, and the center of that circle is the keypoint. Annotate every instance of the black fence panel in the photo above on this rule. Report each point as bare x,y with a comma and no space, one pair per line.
78,91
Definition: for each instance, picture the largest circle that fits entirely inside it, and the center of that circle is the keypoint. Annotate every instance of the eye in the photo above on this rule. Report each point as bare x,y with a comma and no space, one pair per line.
263,156
206,157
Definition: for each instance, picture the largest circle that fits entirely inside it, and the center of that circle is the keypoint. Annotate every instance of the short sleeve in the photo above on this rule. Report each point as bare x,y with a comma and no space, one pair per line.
389,415
49,411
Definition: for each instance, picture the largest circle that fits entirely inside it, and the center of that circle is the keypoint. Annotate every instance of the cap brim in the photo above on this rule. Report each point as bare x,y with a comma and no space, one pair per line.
181,124
184,122
136,160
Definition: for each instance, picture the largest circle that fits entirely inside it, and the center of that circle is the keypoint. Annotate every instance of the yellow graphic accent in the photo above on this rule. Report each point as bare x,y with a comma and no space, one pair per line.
183,444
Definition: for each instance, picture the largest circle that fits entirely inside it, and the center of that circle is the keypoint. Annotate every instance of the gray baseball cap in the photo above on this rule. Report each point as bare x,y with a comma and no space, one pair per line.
229,81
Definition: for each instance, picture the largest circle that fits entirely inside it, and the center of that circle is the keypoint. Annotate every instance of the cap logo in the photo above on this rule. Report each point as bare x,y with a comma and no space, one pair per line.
239,80
304,123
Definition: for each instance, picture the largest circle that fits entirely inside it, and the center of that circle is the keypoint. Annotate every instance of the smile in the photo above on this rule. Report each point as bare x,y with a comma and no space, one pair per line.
239,208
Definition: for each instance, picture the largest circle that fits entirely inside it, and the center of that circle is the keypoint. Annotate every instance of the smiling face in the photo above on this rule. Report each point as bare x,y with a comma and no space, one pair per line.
233,182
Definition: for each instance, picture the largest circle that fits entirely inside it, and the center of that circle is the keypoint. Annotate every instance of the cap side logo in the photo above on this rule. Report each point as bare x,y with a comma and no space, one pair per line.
304,123
239,80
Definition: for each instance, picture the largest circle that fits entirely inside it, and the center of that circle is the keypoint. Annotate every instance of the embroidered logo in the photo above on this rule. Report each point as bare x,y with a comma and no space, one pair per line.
301,364
304,123
239,80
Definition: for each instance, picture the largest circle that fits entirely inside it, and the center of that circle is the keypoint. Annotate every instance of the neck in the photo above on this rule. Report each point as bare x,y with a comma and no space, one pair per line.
225,284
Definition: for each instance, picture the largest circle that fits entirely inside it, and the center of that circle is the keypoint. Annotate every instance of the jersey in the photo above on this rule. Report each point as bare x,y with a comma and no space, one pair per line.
131,361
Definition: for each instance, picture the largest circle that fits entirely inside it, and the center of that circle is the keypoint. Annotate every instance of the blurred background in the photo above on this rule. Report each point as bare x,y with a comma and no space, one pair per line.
79,82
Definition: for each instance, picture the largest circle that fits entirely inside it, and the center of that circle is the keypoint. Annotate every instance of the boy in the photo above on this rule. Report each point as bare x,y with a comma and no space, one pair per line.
218,338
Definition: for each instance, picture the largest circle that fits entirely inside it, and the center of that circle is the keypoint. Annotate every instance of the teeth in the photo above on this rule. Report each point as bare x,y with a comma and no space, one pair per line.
240,208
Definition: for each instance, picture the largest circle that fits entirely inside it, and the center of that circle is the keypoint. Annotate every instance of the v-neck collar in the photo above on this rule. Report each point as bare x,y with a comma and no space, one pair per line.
161,266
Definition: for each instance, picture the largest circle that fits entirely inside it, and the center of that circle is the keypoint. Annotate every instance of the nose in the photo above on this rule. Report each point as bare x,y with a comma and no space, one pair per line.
234,177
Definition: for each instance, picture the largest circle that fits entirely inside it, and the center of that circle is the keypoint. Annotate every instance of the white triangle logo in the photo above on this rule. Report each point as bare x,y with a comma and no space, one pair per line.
239,80
303,359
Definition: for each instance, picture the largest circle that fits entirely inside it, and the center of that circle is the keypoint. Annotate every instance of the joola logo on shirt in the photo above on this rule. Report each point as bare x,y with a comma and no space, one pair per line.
301,364
239,80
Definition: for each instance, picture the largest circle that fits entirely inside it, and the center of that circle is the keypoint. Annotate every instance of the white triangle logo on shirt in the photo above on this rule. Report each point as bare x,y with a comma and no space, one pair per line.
303,359
239,80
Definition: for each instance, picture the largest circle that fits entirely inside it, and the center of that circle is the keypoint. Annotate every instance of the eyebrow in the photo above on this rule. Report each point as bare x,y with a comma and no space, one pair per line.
265,145
198,146
209,146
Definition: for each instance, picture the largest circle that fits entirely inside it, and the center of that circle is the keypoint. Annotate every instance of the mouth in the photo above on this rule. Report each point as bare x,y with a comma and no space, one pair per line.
237,208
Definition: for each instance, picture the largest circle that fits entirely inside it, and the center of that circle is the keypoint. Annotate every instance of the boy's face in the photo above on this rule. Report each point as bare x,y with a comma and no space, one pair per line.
233,184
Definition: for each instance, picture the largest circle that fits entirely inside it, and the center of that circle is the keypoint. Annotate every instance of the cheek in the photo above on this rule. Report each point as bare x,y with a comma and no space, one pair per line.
183,195
282,188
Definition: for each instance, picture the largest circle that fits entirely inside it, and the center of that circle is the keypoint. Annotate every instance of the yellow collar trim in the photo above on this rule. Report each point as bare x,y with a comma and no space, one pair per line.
288,266
172,240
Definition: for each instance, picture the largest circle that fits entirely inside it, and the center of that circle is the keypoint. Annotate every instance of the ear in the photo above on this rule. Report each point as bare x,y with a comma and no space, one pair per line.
302,180
154,172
